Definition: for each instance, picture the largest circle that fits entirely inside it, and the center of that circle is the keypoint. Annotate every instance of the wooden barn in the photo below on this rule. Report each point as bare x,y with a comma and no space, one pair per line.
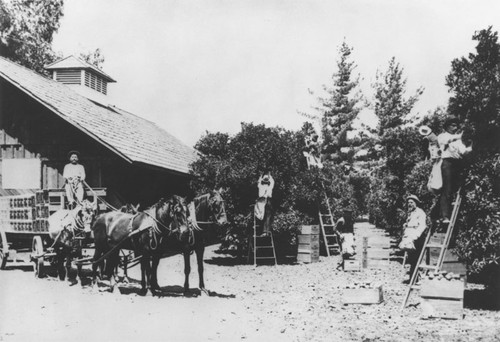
42,119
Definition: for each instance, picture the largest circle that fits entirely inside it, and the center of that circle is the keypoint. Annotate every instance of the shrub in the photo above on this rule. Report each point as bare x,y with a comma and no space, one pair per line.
478,240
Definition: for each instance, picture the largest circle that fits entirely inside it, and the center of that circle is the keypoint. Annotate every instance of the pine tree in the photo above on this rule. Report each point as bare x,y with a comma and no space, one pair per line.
342,105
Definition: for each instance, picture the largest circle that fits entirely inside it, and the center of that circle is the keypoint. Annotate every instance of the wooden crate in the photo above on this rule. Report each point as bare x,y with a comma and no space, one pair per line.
308,257
442,298
308,249
368,295
308,239
450,261
305,230
352,265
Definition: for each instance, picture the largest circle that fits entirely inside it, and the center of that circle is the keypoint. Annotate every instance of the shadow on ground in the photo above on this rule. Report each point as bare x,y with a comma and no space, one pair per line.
133,287
483,299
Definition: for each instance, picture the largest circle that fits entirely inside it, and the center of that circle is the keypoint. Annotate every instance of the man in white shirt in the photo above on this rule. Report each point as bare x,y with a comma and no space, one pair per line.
415,225
452,150
263,206
74,173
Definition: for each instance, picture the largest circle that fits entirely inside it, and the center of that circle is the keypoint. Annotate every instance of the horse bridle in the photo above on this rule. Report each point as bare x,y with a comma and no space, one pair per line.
158,222
212,212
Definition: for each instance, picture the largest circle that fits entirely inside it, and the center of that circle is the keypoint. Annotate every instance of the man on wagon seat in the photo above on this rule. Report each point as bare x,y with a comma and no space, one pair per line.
74,174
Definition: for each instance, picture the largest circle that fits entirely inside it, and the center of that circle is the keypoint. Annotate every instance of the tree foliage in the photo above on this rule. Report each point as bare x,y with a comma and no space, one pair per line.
337,111
399,146
474,82
391,106
236,162
26,31
96,58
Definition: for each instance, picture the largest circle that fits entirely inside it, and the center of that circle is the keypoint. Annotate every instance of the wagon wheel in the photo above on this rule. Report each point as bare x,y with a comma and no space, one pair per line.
36,251
4,250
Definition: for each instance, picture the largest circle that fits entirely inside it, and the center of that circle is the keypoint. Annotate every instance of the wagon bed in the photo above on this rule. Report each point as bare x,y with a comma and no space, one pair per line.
24,229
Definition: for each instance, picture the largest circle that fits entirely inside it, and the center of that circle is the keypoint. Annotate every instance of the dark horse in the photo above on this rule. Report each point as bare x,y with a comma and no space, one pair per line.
142,232
203,210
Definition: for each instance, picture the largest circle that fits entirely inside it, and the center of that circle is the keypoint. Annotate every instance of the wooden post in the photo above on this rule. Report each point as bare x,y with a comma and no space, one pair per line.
365,252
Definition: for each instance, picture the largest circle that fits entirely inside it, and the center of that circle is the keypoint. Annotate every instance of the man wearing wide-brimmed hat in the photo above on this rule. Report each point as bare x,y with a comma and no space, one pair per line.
415,225
74,174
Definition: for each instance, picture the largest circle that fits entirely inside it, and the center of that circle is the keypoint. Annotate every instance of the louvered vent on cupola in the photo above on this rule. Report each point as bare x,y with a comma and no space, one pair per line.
80,75
68,76
95,82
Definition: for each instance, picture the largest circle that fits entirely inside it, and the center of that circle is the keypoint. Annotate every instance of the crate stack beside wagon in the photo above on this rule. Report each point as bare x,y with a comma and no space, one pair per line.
22,218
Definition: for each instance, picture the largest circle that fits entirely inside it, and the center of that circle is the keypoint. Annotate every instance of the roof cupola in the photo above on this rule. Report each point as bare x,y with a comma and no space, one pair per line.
85,78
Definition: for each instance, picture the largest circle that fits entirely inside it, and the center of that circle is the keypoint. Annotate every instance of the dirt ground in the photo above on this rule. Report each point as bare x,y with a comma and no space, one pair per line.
295,302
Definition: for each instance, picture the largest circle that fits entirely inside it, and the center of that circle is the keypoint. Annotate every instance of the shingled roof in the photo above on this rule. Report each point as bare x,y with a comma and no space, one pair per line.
131,137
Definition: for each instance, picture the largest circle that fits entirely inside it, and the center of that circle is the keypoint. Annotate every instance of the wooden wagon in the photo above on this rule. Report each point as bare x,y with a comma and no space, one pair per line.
24,231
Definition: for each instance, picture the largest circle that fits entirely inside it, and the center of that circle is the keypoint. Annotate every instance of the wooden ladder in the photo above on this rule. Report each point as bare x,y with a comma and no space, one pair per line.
330,235
328,230
262,247
426,249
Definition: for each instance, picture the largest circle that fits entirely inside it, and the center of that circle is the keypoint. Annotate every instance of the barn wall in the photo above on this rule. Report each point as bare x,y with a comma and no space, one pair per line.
29,130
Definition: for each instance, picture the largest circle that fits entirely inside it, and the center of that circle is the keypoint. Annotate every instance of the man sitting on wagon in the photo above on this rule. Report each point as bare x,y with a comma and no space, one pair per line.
74,174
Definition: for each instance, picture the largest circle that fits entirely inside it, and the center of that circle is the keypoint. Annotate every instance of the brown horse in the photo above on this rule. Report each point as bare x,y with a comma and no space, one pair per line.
142,232
205,209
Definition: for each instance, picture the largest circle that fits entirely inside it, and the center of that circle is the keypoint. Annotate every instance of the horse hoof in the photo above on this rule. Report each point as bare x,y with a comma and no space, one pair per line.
190,294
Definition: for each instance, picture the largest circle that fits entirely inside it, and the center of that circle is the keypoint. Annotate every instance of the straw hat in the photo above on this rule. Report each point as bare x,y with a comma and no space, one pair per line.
414,198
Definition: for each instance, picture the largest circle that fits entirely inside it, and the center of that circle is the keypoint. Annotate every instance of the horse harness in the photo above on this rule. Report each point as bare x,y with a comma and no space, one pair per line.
76,224
155,233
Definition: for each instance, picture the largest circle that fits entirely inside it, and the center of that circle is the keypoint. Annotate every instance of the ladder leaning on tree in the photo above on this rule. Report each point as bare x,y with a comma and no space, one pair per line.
328,230
261,247
427,245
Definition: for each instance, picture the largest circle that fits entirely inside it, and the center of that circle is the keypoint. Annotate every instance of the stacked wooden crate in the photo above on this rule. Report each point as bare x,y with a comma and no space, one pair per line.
17,213
377,250
308,249
450,261
442,296
42,211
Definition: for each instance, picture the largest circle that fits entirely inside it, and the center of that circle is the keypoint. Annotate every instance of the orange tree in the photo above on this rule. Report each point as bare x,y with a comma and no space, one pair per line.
474,82
234,163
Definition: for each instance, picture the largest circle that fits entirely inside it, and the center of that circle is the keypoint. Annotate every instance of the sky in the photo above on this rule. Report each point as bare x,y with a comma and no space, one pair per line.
208,65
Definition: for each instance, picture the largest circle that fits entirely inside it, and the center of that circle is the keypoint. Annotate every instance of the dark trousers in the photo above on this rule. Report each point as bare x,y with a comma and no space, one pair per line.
451,170
413,255
264,226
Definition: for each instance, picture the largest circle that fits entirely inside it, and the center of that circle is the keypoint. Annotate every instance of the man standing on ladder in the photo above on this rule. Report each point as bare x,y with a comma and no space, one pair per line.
452,151
263,206
74,174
